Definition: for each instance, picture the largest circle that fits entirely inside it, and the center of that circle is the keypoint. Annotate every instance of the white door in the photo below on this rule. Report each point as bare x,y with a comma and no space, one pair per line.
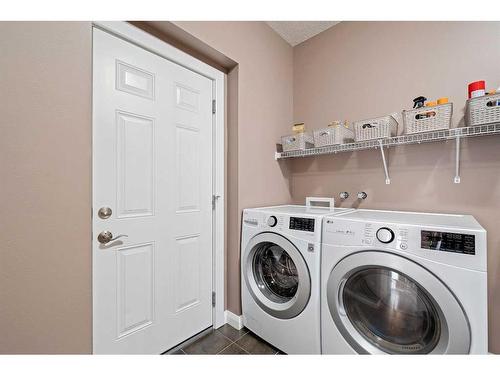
152,166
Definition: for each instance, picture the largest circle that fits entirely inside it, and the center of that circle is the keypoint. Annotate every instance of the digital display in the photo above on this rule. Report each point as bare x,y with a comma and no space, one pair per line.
300,223
451,242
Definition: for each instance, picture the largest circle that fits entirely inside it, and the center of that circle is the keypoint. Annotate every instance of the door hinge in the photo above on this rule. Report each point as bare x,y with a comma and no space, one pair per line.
213,106
214,200
213,299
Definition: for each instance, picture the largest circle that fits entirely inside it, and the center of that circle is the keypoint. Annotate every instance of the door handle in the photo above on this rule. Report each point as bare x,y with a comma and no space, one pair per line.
106,236
340,298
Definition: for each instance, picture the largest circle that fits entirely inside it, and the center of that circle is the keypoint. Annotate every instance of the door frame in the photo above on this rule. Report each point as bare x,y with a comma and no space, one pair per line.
136,36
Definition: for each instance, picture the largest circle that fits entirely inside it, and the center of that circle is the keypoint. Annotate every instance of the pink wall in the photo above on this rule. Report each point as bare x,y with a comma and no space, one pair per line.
45,188
357,70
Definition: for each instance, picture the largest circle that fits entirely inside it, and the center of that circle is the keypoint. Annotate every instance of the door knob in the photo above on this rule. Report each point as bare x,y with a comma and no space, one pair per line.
104,212
106,236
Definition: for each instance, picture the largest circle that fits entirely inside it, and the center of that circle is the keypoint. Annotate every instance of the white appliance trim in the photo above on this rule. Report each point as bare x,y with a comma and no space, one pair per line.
150,43
235,321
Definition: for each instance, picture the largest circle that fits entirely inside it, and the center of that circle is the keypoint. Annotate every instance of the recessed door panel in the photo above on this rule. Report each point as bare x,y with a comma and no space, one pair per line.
135,288
187,276
187,168
187,97
134,80
135,162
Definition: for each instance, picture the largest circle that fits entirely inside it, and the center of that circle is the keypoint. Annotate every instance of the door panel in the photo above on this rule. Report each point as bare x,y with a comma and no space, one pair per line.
152,165
135,288
135,165
187,167
187,280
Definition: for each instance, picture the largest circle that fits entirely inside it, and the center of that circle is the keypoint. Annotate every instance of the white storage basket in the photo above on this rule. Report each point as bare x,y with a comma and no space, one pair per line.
375,128
483,110
427,119
333,135
296,142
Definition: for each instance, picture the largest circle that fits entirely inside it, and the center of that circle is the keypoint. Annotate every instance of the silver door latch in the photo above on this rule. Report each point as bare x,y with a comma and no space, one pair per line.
105,236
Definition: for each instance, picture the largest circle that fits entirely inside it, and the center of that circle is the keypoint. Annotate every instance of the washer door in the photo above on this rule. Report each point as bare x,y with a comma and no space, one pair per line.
385,303
276,275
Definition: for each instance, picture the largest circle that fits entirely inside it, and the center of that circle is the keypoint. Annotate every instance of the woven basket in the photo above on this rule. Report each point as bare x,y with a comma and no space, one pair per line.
428,119
296,142
375,128
483,110
333,135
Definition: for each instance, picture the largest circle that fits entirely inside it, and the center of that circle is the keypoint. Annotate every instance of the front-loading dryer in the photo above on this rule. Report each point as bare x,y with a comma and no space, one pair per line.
403,283
280,271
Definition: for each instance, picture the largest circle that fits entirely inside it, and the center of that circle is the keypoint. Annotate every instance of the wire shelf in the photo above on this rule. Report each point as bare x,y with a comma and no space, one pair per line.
434,136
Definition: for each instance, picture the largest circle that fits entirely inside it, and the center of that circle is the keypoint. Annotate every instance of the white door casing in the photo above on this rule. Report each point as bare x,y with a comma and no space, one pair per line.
153,156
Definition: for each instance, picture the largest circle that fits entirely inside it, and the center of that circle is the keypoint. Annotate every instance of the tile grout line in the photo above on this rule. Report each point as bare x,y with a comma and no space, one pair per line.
241,347
224,348
232,342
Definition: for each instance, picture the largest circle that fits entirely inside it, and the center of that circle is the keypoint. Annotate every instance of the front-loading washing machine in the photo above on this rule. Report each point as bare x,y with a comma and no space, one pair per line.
280,271
403,283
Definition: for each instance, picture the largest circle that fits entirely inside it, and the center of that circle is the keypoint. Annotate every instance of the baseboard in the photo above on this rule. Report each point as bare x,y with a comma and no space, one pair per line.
235,321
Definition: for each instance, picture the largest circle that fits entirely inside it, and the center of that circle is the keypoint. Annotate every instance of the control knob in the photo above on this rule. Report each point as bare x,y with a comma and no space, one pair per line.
385,235
272,221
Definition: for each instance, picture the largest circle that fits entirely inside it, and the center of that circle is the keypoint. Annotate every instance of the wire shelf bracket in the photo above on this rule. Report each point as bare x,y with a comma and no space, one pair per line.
456,180
384,162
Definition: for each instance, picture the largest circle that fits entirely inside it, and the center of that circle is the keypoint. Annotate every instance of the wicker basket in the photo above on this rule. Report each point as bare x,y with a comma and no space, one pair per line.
333,135
296,142
375,128
427,119
483,110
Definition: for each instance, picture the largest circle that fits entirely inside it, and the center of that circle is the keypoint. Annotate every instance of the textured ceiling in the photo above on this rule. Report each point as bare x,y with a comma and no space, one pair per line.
295,32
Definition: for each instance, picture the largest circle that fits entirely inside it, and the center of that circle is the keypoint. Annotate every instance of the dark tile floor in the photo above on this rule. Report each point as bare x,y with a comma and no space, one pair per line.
227,340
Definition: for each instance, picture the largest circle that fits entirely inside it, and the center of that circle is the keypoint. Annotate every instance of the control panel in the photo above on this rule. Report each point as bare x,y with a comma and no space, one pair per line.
301,223
461,247
406,238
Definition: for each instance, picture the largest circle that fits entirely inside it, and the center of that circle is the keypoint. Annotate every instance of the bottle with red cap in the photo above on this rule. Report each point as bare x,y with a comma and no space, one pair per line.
477,89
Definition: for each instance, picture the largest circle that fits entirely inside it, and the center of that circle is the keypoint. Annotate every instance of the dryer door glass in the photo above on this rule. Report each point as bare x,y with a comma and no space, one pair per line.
391,311
275,272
